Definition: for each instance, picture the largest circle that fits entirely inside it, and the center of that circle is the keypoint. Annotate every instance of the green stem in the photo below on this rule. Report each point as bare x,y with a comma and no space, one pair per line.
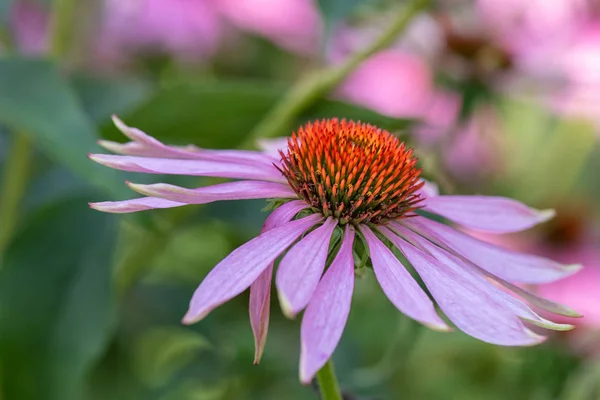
315,85
301,96
14,183
328,385
60,27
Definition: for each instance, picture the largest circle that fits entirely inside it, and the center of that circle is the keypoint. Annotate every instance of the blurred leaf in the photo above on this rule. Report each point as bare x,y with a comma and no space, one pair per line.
55,301
102,97
221,114
161,352
191,253
545,157
36,100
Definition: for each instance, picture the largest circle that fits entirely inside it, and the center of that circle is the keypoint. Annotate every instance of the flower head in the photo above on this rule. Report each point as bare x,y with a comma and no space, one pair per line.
344,183
354,172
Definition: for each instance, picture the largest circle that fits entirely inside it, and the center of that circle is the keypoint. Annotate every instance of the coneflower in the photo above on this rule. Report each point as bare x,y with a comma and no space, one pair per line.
350,193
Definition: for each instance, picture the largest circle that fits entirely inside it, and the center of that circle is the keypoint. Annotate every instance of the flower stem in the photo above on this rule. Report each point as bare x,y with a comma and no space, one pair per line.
315,85
328,385
60,27
301,96
14,183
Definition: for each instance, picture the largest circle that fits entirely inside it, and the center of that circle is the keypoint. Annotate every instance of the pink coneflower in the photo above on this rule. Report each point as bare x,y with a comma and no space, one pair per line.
350,192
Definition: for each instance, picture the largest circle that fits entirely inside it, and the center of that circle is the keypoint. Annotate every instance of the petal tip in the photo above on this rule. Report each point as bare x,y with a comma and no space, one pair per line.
439,327
546,215
286,307
192,318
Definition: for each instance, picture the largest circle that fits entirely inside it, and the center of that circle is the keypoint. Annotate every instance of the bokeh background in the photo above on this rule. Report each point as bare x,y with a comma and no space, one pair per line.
498,97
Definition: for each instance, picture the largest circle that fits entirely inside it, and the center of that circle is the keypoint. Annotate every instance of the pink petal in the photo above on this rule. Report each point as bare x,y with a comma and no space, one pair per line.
301,268
189,167
241,268
260,290
487,213
326,315
399,286
241,190
147,146
134,205
504,263
466,299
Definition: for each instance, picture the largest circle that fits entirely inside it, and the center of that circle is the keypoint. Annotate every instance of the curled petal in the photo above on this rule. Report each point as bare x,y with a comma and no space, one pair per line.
465,298
487,213
399,286
241,268
134,205
260,290
147,146
326,315
241,190
189,167
301,268
503,263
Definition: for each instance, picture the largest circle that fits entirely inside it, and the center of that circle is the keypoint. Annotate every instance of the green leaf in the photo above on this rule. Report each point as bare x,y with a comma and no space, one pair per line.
102,97
55,301
161,352
5,7
221,114
37,101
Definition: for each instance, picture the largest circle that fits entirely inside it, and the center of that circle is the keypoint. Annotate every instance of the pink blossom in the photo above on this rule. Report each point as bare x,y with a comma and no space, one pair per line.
391,82
186,28
343,183
292,24
29,23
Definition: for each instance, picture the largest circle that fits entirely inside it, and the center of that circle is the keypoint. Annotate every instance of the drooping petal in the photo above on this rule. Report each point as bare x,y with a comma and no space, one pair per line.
473,274
466,302
326,315
134,205
301,268
260,290
242,190
189,167
487,213
504,263
238,270
147,146
399,286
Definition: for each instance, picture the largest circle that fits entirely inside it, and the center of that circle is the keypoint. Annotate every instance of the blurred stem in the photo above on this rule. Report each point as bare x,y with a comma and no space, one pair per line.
301,96
315,85
328,385
60,27
14,183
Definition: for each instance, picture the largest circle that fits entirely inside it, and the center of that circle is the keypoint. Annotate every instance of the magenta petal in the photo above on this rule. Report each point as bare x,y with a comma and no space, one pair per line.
147,146
504,263
241,190
238,270
468,300
189,167
326,315
399,286
260,290
487,213
301,268
134,205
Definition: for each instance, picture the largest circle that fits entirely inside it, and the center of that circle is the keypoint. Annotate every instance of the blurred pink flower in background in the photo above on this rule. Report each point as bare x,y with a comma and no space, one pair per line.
391,82
29,24
189,29
292,24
